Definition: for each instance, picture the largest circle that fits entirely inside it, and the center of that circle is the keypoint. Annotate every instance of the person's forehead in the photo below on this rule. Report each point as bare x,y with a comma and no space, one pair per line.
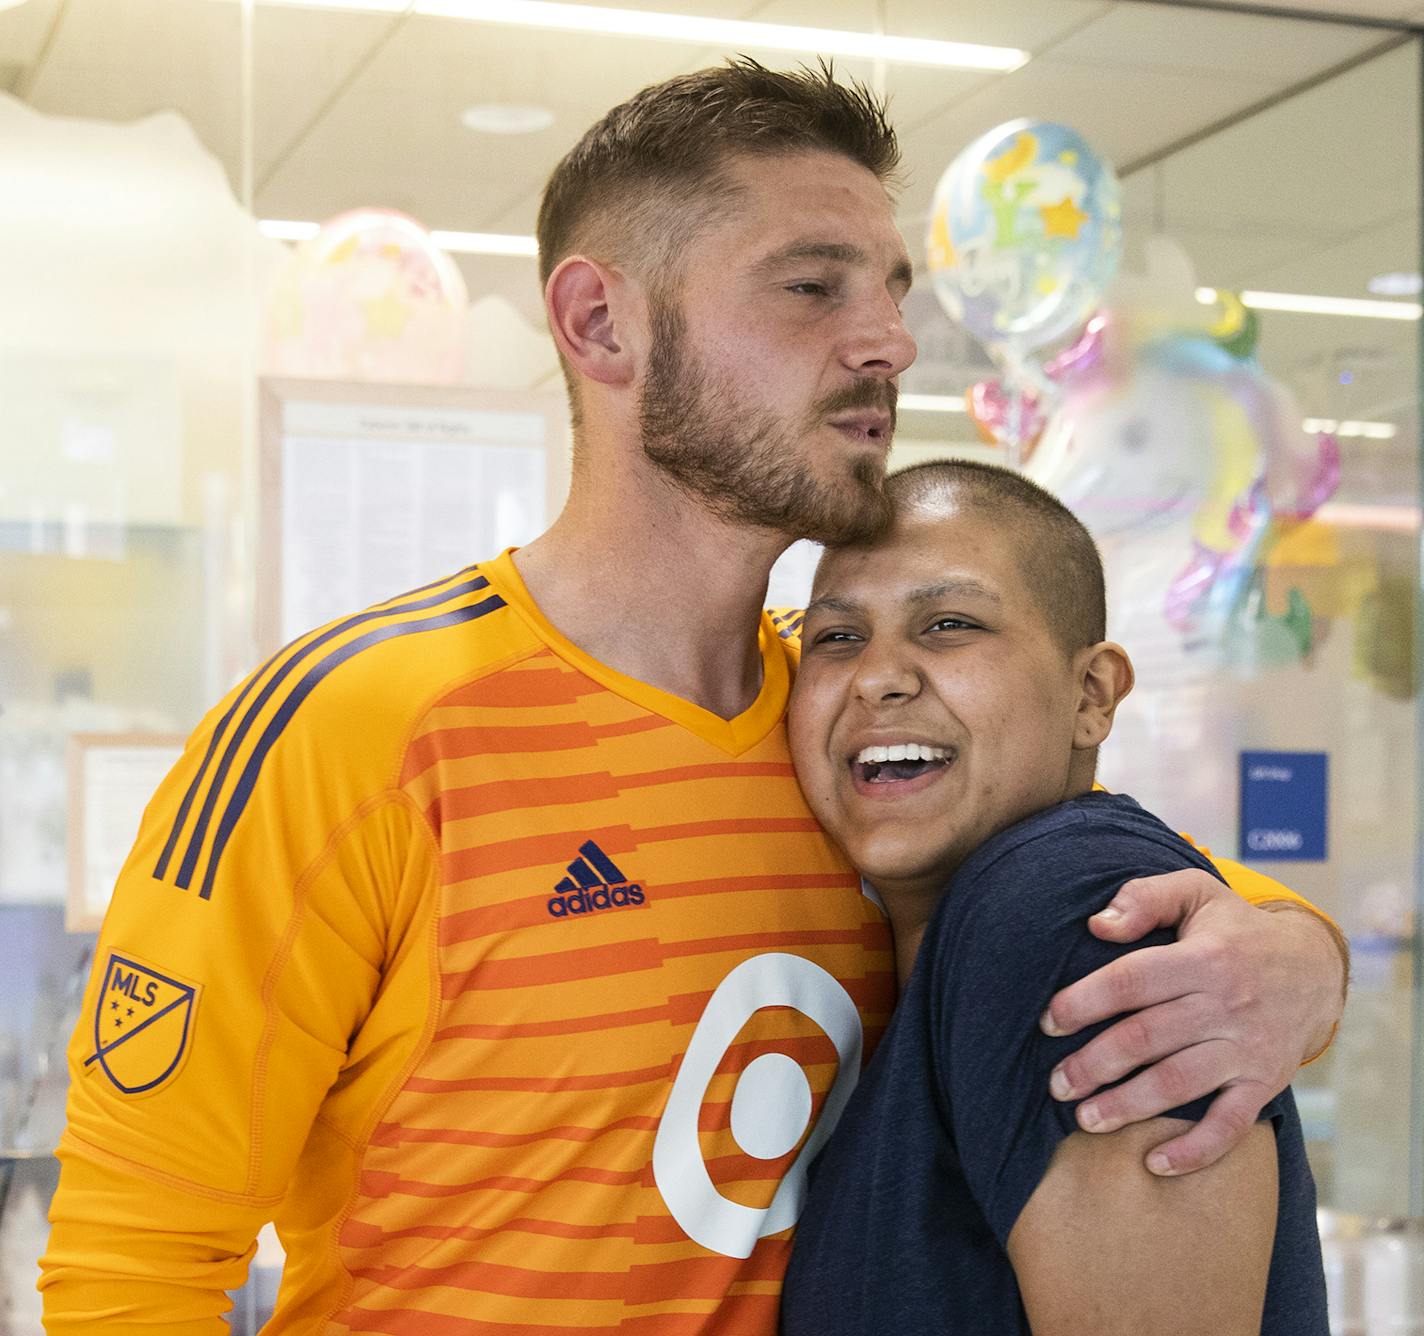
816,196
947,553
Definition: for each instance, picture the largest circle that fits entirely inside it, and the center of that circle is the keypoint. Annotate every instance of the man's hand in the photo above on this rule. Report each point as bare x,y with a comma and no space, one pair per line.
1235,1004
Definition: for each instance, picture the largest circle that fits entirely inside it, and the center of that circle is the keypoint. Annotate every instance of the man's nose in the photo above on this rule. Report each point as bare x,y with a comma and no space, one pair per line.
881,345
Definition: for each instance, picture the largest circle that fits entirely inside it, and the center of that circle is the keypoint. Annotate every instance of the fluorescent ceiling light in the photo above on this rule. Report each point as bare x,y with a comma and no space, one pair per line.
371,6
931,403
506,118
1371,431
485,243
287,230
1396,284
697,30
1304,303
458,243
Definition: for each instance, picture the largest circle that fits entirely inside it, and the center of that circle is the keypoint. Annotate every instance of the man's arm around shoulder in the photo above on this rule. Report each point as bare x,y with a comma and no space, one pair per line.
1235,1006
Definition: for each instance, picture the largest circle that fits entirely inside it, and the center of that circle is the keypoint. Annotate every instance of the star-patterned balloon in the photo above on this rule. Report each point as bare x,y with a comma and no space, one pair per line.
372,298
1025,235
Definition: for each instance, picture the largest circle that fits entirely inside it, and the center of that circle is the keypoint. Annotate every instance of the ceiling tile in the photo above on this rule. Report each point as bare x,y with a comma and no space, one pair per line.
396,135
1030,25
301,58
1339,156
1136,36
23,31
123,59
1365,9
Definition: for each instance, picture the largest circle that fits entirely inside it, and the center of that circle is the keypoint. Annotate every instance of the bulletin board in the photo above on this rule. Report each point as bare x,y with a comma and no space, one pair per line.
371,490
111,778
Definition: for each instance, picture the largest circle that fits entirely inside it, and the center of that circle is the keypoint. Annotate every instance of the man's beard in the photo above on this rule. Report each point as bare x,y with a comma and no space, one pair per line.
747,466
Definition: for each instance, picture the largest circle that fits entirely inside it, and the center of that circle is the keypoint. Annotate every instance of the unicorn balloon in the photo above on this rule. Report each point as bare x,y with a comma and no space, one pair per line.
1186,461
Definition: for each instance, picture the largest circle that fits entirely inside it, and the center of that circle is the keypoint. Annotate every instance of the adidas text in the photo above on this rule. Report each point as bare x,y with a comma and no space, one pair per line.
587,901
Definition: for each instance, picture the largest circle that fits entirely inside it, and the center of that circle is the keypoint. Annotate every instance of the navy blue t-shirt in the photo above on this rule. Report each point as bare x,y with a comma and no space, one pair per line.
952,1126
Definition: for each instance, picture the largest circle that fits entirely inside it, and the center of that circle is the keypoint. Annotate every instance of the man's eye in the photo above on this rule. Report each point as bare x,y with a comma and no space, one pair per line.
953,624
836,638
809,289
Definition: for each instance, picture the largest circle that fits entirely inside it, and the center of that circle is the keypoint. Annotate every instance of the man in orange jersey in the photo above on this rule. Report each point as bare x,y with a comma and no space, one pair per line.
483,939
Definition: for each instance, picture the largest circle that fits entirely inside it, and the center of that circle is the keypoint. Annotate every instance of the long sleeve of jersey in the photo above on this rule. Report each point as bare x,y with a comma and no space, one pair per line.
272,904
1258,888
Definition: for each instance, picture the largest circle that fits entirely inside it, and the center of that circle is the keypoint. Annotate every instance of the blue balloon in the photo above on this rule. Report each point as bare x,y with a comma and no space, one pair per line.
1025,235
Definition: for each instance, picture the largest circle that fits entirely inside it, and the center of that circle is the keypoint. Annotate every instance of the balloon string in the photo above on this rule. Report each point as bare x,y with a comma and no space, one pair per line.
1016,423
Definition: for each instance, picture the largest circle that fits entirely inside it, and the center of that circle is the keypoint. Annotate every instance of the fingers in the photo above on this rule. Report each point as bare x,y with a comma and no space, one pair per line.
1187,1075
1133,981
1232,1114
1136,1040
1163,901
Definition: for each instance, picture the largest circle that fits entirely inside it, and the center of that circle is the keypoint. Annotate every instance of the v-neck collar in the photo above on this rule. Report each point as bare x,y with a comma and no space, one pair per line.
733,736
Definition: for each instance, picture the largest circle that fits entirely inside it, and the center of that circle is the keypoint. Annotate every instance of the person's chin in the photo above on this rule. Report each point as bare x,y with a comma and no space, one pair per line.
893,862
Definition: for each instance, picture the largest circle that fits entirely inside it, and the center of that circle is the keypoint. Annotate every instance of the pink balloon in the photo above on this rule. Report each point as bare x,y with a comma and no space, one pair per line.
1193,583
1005,417
1085,354
1322,480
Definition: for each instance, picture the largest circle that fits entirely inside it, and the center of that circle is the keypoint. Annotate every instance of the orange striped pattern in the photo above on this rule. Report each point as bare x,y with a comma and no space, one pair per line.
509,1186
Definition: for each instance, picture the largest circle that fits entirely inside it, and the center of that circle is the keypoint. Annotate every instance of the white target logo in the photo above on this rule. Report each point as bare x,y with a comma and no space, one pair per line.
771,1106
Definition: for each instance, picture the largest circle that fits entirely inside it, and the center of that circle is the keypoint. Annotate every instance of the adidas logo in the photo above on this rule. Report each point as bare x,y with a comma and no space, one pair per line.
594,882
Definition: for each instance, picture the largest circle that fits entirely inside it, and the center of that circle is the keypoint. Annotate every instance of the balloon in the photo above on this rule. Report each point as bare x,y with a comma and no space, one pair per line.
1025,234
1239,326
1003,416
1082,357
1013,417
370,297
1165,438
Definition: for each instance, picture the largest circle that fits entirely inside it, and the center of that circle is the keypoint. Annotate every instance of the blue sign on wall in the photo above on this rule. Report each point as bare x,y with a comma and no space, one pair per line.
1283,806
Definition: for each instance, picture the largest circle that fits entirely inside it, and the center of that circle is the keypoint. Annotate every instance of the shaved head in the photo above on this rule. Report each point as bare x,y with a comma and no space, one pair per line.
1057,556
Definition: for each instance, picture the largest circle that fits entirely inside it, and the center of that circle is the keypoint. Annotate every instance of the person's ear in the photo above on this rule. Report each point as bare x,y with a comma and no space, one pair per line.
586,303
1104,677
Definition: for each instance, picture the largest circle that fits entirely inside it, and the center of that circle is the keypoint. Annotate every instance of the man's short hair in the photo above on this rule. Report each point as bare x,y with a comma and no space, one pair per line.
1057,554
664,151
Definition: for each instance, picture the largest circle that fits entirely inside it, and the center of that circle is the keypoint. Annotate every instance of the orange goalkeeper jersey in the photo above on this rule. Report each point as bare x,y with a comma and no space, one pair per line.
514,989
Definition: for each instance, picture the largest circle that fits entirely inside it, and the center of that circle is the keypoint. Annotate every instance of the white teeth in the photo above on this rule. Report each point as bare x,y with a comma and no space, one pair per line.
901,751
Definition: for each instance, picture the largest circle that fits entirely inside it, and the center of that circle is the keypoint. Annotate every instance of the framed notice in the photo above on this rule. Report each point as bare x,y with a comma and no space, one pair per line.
1284,806
112,776
372,490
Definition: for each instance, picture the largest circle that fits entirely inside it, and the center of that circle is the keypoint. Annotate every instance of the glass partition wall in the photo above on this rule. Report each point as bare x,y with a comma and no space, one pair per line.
1306,201
1315,197
128,273
156,157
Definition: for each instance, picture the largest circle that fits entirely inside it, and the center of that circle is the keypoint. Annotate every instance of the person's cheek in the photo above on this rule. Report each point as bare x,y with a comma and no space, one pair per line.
814,719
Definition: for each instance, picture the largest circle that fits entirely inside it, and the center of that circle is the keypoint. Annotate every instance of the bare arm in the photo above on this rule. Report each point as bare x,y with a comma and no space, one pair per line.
1105,1248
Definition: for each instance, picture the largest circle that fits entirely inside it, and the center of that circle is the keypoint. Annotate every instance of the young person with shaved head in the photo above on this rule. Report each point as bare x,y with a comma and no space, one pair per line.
955,686
483,939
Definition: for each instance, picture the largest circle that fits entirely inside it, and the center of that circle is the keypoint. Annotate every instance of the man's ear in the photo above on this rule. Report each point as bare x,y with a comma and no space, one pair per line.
1105,677
586,302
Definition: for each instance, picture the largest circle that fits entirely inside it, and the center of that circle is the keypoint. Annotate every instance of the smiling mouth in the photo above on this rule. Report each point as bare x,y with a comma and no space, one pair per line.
900,762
